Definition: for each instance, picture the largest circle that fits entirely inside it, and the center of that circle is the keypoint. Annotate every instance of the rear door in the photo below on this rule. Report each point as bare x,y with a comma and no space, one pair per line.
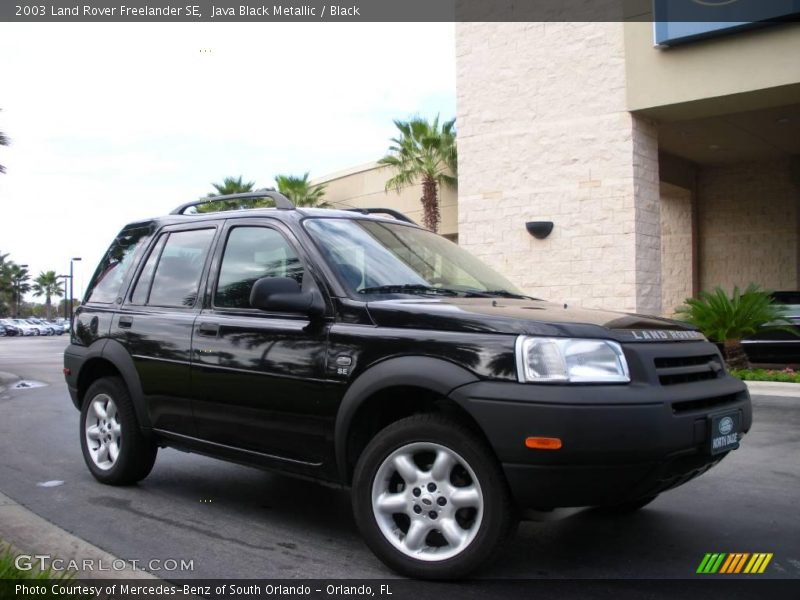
258,377
155,322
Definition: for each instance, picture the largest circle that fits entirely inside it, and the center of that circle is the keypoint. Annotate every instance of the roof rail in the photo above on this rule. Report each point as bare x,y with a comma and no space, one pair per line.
383,211
281,201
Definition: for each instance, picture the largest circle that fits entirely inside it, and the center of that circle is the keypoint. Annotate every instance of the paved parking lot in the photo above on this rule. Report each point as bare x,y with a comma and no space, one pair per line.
235,521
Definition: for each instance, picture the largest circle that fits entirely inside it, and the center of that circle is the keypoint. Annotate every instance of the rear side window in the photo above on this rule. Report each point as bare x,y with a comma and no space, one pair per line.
105,285
171,275
142,288
250,254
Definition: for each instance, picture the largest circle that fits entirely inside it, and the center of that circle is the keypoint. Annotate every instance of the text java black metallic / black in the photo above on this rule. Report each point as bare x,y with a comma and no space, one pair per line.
359,349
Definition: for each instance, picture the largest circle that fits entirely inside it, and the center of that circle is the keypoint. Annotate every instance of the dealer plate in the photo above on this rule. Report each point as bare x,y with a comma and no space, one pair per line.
724,432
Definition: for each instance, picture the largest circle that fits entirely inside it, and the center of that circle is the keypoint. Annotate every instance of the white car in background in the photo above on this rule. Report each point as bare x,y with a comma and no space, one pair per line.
44,327
27,328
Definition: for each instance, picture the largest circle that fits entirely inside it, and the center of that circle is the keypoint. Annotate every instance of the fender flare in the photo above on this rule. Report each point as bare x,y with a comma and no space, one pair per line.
434,374
118,355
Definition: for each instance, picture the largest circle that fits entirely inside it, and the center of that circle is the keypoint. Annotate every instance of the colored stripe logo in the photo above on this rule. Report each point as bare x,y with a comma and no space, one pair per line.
734,563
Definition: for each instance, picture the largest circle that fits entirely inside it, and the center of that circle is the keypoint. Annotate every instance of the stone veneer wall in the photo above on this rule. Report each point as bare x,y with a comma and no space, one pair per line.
748,225
544,134
677,262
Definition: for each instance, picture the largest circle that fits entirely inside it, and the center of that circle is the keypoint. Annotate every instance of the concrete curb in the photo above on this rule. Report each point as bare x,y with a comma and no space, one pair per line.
774,388
30,534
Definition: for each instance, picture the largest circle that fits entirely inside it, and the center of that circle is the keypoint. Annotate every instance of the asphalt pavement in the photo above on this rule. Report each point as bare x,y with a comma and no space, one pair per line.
236,522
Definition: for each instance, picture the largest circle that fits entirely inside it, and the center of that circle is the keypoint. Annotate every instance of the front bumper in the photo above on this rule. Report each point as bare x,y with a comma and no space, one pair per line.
619,442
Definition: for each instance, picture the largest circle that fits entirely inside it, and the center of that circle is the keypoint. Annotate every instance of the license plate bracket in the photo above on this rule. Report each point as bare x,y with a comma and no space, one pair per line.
723,432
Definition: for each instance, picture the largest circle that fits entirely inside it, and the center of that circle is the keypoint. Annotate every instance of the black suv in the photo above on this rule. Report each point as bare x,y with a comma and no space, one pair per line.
366,351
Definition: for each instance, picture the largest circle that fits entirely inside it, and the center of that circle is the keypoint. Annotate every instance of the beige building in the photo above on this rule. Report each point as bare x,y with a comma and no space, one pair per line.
664,170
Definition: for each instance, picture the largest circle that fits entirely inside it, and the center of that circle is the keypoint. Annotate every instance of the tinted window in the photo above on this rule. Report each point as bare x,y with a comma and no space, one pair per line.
177,275
250,254
786,297
115,264
142,289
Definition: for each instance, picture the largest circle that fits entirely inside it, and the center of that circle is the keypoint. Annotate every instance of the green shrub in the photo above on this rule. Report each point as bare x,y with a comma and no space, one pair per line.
728,319
785,375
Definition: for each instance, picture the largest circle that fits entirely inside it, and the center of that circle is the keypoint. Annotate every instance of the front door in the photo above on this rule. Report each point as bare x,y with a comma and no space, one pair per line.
258,377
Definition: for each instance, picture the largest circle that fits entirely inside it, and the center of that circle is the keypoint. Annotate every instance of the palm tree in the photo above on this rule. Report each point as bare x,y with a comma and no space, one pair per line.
300,191
232,185
4,141
47,285
5,283
229,185
18,280
424,153
727,320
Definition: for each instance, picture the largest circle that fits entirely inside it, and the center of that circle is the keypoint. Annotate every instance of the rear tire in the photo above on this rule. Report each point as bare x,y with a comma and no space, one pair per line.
113,445
430,499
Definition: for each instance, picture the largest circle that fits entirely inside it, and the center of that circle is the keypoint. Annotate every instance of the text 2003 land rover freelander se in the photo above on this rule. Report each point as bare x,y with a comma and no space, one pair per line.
366,351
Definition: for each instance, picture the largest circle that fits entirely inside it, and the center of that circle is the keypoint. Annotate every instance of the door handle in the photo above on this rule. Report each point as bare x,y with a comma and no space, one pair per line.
125,322
210,329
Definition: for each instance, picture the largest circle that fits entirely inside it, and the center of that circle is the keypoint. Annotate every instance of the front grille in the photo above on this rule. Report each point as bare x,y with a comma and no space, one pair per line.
704,404
688,369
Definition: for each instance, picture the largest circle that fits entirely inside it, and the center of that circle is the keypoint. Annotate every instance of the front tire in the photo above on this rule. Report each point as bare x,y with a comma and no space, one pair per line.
113,445
430,499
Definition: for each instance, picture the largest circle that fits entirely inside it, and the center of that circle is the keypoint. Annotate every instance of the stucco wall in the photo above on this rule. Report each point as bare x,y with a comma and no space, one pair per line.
742,67
537,141
364,187
748,221
676,246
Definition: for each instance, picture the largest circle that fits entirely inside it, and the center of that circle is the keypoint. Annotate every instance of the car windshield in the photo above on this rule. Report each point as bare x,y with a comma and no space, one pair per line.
377,257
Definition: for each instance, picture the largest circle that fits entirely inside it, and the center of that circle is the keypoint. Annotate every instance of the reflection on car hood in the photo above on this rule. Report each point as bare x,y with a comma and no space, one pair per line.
512,316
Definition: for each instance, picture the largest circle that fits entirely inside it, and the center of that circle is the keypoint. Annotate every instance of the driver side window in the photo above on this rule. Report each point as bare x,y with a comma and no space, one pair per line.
250,254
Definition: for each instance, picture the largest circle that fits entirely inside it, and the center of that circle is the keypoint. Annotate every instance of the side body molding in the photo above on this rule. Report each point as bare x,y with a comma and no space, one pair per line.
433,374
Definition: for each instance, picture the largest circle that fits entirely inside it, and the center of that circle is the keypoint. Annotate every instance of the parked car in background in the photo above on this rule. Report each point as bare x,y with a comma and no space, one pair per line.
57,327
52,329
778,346
2,331
11,328
27,328
63,323
43,328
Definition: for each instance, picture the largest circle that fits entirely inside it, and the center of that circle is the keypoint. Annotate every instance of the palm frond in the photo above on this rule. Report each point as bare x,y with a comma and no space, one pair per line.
722,318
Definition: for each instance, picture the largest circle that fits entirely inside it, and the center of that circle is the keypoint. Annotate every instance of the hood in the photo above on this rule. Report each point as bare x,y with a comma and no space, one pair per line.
521,316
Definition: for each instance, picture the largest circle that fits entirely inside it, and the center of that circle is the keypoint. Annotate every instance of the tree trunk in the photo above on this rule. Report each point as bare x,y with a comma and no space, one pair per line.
430,204
47,306
735,355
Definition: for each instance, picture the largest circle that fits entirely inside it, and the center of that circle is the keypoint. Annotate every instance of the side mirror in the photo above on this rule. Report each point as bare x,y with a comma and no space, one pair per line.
283,294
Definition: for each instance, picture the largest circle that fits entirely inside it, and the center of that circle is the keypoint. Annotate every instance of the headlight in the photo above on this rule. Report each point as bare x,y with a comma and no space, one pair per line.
570,360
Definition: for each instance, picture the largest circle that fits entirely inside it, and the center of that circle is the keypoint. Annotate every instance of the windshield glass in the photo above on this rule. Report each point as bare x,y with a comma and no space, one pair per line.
379,257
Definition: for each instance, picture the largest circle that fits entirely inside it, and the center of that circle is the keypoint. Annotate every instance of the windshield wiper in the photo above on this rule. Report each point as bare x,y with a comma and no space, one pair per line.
408,288
504,294
413,288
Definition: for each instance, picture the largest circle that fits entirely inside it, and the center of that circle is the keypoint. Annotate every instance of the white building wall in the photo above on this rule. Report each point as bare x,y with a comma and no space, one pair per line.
677,261
748,225
544,134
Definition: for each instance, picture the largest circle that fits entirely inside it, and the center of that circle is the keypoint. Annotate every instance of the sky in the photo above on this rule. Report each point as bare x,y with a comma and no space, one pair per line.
110,123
